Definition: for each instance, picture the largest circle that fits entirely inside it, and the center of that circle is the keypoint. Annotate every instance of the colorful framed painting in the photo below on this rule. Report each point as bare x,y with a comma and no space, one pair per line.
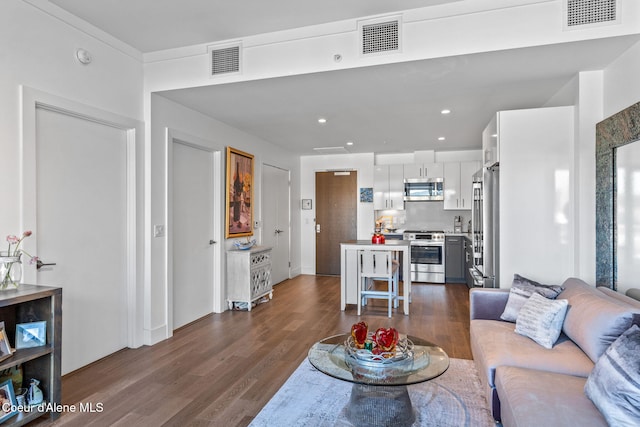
239,197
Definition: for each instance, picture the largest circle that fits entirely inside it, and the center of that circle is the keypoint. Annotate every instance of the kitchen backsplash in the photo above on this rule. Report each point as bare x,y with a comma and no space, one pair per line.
428,216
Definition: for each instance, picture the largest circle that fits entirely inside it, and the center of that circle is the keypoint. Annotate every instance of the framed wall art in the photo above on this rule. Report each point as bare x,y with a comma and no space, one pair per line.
366,195
239,207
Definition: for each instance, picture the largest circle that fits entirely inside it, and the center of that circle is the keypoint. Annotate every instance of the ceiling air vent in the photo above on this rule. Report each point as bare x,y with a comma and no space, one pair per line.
591,12
224,59
330,150
380,36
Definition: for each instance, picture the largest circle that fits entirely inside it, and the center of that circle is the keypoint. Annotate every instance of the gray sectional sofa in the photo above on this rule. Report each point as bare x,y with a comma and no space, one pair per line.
529,385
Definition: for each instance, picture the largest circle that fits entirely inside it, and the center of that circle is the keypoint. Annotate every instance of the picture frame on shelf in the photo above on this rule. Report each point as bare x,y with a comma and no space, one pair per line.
239,194
32,334
5,347
7,401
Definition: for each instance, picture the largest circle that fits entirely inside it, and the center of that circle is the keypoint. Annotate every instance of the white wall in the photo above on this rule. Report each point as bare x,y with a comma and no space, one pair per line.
621,83
38,51
168,114
309,165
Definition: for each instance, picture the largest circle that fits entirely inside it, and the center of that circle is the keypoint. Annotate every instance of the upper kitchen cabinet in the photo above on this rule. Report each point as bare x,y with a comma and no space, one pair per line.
457,184
388,187
423,170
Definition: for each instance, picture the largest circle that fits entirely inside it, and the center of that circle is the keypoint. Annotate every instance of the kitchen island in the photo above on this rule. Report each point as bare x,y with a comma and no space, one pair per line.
349,269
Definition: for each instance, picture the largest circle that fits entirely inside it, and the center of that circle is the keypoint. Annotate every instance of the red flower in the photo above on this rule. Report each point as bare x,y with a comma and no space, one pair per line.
359,333
386,338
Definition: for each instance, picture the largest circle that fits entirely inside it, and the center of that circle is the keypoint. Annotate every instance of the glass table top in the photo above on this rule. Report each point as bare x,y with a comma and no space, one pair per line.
424,362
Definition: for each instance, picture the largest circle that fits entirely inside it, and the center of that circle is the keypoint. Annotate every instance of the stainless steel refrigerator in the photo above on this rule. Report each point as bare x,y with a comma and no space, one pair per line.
485,227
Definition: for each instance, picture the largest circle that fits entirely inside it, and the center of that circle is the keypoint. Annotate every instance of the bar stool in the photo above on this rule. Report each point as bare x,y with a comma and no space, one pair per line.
375,264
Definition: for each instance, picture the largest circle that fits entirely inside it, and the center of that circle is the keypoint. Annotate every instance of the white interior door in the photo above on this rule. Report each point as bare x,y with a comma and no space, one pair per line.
81,186
193,232
275,219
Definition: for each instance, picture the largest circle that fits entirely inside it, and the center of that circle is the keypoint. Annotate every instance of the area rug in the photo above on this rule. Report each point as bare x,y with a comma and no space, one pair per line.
311,398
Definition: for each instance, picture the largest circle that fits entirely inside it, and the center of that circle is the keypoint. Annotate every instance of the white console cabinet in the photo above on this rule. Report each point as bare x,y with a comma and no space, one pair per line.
248,275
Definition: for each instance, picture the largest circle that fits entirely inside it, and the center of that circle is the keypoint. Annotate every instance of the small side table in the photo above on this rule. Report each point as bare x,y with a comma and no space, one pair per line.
248,275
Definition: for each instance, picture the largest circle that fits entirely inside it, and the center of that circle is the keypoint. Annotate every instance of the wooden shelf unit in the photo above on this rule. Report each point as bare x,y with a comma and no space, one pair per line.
29,303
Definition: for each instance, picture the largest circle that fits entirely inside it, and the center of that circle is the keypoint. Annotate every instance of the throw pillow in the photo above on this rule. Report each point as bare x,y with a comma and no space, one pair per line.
521,290
614,384
541,319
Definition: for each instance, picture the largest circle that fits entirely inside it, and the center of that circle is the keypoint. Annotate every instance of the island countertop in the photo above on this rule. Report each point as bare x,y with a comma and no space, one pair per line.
390,242
349,268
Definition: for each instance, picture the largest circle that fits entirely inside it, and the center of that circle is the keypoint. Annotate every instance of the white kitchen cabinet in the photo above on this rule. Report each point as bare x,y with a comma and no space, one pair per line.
248,275
388,187
457,184
423,170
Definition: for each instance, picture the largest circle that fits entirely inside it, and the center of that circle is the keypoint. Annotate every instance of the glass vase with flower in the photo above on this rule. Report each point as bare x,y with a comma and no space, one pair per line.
11,261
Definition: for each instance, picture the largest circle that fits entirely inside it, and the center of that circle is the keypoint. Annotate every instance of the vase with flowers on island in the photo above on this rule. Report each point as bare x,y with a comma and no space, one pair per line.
11,261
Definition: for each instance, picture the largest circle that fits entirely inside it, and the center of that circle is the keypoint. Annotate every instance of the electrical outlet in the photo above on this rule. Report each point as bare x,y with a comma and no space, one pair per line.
256,224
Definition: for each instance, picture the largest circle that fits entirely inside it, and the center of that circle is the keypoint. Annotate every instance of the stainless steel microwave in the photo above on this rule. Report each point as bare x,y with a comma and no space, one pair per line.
423,189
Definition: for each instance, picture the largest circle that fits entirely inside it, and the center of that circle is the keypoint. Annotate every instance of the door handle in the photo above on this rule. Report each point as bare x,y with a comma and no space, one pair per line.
40,264
278,231
212,242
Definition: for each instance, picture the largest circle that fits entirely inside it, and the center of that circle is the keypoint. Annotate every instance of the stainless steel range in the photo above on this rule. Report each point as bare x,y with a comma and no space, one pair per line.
427,255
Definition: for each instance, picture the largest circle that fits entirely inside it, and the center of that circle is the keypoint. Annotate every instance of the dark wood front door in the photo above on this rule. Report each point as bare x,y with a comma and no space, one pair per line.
336,217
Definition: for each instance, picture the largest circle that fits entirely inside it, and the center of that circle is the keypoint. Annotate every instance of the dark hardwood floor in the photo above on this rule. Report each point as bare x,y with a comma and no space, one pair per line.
223,368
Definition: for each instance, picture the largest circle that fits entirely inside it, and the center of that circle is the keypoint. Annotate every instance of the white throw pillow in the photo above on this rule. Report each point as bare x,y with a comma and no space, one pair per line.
521,290
541,319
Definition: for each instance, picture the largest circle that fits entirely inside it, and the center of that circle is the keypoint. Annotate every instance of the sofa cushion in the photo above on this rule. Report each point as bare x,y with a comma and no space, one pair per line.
594,320
521,289
541,319
531,398
494,343
614,383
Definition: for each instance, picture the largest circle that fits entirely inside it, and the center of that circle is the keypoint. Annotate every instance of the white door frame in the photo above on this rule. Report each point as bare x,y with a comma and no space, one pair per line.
175,136
33,99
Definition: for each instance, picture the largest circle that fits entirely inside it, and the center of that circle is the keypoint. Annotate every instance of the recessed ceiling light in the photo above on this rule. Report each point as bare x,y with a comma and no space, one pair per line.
442,138
445,111
349,142
322,120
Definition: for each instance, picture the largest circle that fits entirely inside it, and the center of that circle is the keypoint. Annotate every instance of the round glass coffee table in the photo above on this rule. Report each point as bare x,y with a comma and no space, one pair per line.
379,395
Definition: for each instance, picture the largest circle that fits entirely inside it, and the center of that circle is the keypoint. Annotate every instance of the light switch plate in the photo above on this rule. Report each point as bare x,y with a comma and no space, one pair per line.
158,230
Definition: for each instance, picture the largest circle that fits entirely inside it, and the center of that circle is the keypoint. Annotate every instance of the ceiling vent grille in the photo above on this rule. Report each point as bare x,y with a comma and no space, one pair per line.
224,59
380,36
589,12
330,150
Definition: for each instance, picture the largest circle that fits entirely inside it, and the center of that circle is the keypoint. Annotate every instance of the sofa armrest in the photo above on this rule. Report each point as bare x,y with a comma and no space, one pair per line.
487,303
